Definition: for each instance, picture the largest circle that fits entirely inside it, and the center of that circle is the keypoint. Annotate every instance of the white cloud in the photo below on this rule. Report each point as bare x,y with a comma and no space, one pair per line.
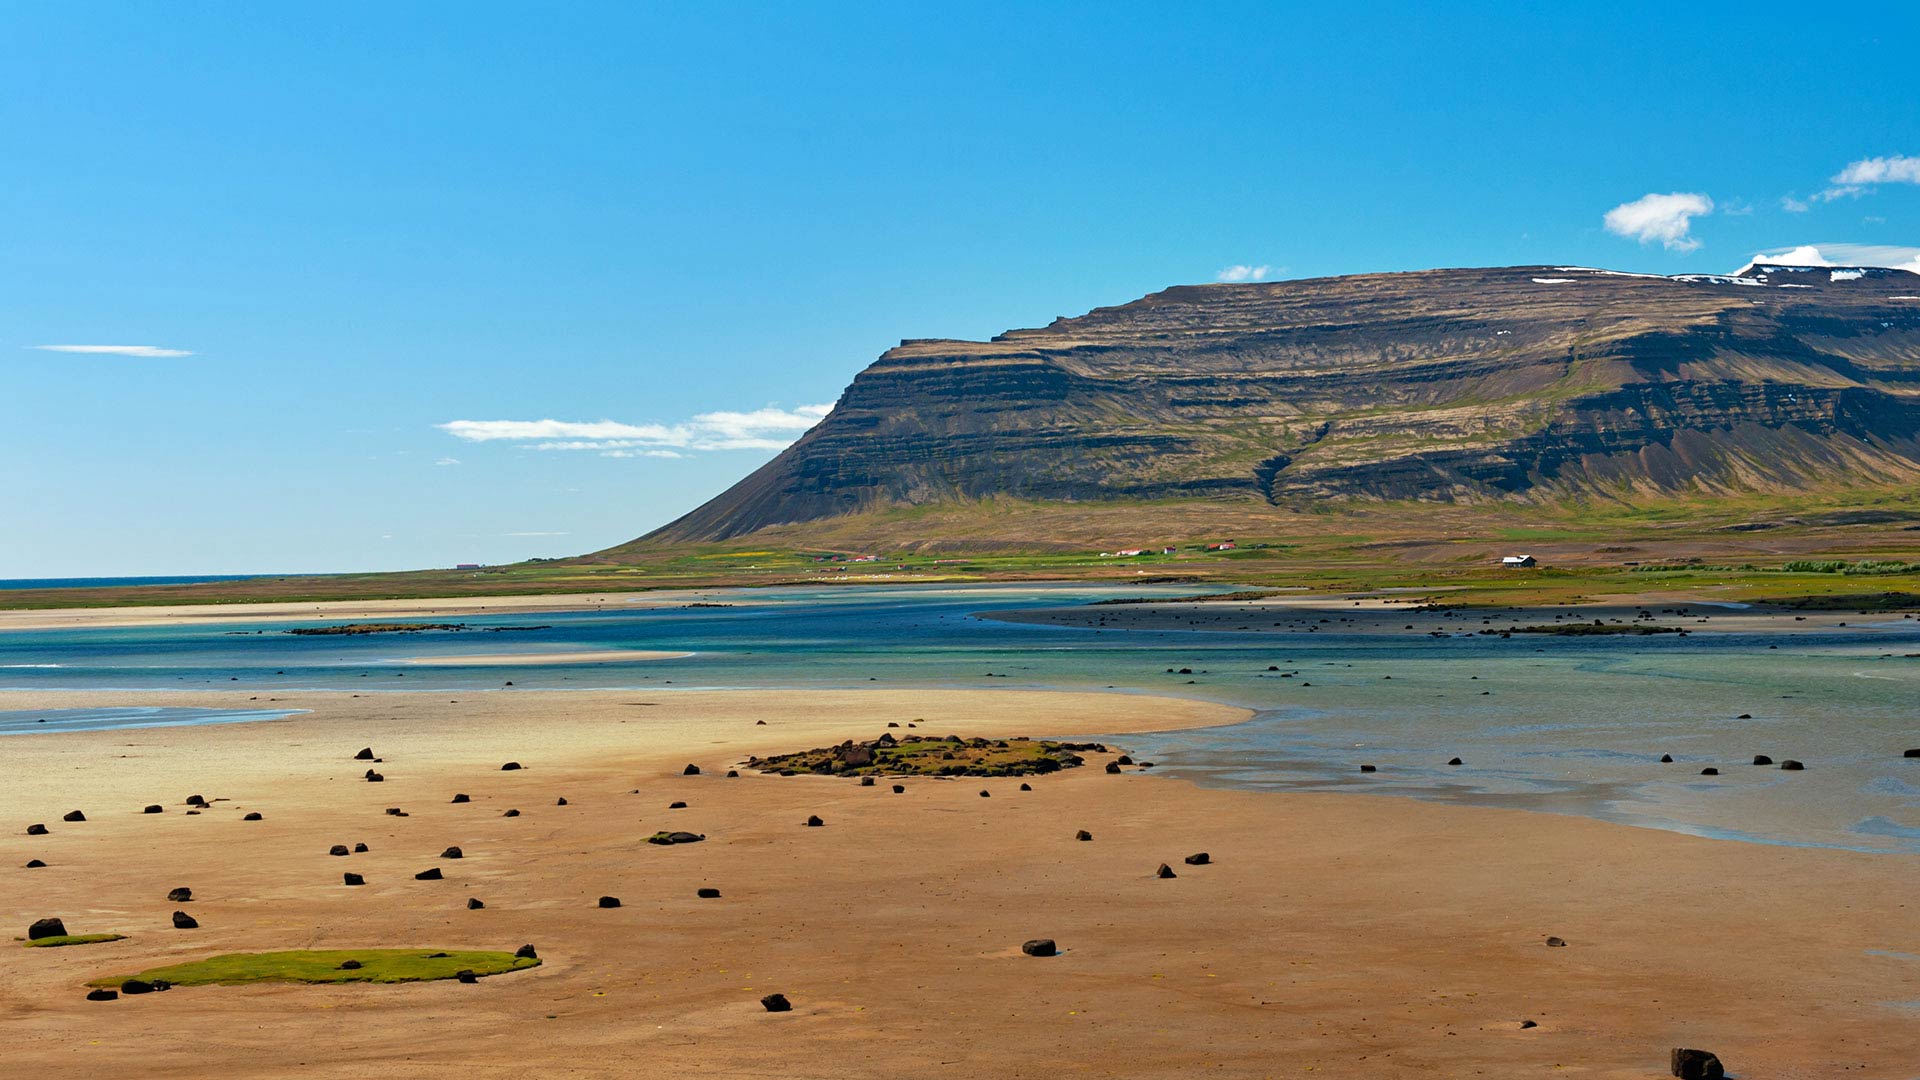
1897,169
768,428
448,461
149,352
1666,218
1242,272
1888,255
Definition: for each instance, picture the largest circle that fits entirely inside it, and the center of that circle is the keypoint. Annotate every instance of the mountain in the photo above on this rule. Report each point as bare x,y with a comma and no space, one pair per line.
1532,385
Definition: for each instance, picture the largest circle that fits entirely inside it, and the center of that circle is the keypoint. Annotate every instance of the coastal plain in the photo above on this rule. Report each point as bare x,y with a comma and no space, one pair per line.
1327,935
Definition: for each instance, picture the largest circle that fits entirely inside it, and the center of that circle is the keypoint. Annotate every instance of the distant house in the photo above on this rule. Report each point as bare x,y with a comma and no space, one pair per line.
1166,551
1518,562
467,566
1225,546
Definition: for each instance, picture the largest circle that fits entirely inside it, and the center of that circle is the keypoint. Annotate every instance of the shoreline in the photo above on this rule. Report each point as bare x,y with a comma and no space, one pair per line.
1362,937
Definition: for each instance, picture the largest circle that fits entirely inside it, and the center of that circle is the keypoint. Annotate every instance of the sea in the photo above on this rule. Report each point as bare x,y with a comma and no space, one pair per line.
1565,725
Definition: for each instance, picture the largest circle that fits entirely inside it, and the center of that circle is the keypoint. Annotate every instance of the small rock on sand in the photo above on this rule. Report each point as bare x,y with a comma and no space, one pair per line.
814,822
461,797
511,813
374,777
46,928
1026,787
1666,759
34,864
180,895
776,1003
561,801
359,849
1455,761
36,830
1165,871
197,800
1113,767
609,901
985,794
899,788
691,770
1791,765
184,921
337,849
1369,768
103,995
708,894
429,874
1040,947
452,853
1762,759
253,815
365,754
866,781
511,766
154,808
1083,835
1556,943
1695,1065
353,879
474,904
676,806
73,815
1199,859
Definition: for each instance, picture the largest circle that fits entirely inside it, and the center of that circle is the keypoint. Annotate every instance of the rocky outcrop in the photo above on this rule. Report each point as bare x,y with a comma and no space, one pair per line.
1522,383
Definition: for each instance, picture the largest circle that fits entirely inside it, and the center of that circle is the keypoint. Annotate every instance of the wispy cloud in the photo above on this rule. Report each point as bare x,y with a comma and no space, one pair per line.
1666,218
448,461
143,351
1860,178
1242,272
1888,255
768,428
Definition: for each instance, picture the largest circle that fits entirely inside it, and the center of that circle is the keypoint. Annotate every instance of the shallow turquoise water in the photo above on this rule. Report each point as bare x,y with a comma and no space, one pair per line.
1567,725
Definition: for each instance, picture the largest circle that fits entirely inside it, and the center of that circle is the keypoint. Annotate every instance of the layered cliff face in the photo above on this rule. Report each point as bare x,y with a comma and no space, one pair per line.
1523,383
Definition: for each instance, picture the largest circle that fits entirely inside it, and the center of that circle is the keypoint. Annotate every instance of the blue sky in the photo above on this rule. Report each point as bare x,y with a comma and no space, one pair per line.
364,223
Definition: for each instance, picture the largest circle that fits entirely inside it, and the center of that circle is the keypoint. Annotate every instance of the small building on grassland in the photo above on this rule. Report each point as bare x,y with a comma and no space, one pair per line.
1518,562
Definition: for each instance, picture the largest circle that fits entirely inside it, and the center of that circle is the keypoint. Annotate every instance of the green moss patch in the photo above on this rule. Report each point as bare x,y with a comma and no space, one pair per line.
323,966
73,939
917,755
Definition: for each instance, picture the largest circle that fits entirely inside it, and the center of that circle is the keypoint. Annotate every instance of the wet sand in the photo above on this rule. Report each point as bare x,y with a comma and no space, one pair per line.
600,656
1332,935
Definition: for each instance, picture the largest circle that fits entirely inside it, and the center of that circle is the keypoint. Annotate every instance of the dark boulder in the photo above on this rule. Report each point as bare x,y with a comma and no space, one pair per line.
1165,871
374,777
776,1003
866,781
1369,768
733,774
452,853
1123,759
1083,835
1914,753
461,797
985,794
466,975
1199,859
511,813
73,815
609,901
359,849
899,788
197,800
1113,767
184,921
525,952
103,995
1695,1065
36,829
814,822
46,928
429,874
1762,759
1666,759
1709,771
561,801
394,811
1040,947
136,986
337,849
1026,787
1556,943
349,965
691,770
1791,765
511,766
474,904
1455,761
154,808
254,815
180,895
353,879
365,754
676,806
34,864
708,894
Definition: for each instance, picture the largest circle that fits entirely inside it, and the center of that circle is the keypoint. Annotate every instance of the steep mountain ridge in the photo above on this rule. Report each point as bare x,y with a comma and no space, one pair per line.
1531,384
